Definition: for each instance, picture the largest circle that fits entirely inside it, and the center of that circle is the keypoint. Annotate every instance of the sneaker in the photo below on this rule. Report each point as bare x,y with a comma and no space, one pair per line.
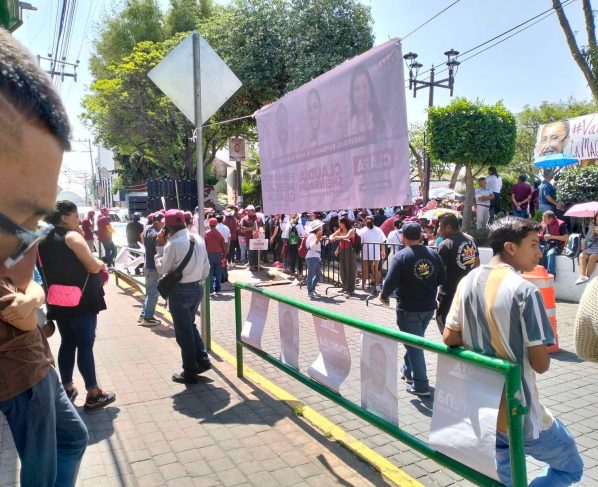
412,390
149,321
253,268
184,378
204,368
408,380
99,401
72,393
140,319
582,279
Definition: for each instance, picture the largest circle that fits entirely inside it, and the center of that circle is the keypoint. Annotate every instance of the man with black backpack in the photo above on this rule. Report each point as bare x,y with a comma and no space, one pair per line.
179,250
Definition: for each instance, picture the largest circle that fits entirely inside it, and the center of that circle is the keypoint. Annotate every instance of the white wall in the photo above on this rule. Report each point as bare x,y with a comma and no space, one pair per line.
564,284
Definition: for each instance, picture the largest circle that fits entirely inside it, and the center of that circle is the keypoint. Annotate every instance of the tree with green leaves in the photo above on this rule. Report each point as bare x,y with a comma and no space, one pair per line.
138,21
473,135
265,44
578,184
185,15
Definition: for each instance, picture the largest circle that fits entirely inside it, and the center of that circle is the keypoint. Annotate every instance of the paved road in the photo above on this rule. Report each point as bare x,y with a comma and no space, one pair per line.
222,431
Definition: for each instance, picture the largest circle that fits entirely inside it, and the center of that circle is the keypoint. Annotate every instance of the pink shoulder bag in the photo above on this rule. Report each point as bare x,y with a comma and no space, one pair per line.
61,294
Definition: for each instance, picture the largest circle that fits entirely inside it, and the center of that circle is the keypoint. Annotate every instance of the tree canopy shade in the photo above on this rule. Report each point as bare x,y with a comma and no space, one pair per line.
471,134
578,184
273,46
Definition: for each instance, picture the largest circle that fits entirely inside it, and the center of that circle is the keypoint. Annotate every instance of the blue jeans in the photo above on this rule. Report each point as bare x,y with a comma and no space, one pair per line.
314,273
215,259
549,258
77,335
242,249
183,302
48,433
555,446
415,322
520,213
110,252
151,292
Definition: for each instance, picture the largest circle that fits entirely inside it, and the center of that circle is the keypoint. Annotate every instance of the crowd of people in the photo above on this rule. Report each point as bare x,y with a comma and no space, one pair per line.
490,309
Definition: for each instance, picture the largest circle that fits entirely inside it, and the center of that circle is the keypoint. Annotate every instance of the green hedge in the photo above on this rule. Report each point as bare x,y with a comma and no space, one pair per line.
578,184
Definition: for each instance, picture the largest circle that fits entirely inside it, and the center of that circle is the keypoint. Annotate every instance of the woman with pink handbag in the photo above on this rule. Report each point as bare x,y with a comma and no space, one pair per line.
74,295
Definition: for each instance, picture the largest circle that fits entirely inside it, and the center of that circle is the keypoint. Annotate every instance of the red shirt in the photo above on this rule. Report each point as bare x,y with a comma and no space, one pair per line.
389,224
103,234
214,241
521,191
87,227
232,224
555,227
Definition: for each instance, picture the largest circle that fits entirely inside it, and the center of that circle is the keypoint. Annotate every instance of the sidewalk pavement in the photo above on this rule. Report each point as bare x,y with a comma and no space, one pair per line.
569,389
222,431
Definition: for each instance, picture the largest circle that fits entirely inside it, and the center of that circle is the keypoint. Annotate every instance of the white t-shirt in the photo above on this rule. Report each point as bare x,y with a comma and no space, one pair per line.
224,231
287,229
479,192
313,248
494,183
373,236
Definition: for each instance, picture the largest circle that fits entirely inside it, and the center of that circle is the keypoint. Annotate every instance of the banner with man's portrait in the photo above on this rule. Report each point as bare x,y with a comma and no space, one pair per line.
253,328
288,324
379,358
333,365
577,136
340,140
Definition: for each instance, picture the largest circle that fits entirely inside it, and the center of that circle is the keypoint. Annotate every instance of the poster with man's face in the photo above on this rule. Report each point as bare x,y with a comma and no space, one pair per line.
288,324
576,136
379,360
253,329
333,364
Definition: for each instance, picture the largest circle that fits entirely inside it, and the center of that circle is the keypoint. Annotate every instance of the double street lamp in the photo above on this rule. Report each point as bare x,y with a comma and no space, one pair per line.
418,84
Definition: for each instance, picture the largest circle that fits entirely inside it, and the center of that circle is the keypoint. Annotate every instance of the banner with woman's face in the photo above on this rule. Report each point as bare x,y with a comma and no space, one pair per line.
339,141
577,136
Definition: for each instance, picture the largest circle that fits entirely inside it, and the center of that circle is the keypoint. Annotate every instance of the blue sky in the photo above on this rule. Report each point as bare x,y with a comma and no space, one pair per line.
529,68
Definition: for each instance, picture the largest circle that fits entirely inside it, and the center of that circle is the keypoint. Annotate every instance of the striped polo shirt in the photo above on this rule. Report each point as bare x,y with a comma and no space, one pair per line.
501,314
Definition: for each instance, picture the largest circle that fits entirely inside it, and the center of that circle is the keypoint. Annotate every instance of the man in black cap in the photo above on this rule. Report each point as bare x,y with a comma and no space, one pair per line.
414,276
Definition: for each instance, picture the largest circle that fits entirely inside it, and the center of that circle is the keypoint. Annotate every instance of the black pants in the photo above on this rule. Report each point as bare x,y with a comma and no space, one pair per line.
295,262
233,251
444,306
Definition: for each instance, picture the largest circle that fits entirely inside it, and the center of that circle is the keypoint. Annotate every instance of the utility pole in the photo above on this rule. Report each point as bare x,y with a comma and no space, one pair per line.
416,84
94,187
60,68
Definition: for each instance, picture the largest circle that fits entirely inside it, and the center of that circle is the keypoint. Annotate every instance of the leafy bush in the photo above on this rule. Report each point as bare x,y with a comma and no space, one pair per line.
578,184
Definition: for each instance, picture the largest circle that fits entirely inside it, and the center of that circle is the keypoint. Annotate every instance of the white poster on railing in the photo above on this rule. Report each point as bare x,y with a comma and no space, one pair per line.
333,364
466,402
379,376
253,329
126,260
288,324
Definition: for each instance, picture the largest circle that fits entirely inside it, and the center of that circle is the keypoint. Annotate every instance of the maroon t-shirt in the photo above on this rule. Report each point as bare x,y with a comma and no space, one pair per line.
103,234
87,228
521,191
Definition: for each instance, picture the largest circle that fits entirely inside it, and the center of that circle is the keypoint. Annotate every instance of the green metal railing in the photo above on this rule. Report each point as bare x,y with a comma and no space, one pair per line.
511,372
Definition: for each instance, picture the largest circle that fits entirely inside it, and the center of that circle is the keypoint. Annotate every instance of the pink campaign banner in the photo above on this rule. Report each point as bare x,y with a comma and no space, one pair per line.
339,141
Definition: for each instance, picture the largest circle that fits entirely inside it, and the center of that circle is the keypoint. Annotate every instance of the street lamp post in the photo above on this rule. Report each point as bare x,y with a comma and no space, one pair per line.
418,84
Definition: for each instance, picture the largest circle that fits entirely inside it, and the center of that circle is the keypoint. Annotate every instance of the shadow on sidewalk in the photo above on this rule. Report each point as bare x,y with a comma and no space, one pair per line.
566,356
99,422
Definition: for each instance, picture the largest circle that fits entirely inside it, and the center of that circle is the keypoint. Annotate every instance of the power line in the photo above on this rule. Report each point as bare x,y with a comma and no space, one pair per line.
544,15
430,19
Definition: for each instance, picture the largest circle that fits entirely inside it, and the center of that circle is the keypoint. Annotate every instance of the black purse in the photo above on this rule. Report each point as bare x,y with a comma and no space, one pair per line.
168,281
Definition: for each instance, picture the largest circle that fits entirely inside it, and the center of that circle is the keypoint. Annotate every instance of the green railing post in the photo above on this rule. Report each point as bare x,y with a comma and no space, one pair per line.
238,327
208,337
515,414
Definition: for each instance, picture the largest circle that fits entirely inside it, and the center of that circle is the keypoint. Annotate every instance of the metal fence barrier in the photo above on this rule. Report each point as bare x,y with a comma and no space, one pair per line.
511,372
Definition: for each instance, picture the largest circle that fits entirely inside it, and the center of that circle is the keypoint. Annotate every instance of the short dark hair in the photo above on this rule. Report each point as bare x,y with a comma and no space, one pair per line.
510,229
523,178
397,223
449,219
29,91
219,218
482,178
61,208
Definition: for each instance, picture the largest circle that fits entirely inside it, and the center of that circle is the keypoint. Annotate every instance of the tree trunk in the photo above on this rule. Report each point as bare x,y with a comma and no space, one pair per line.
455,176
468,223
420,167
586,68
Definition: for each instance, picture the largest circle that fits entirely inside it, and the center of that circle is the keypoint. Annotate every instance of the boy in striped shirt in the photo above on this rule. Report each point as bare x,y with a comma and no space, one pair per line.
497,312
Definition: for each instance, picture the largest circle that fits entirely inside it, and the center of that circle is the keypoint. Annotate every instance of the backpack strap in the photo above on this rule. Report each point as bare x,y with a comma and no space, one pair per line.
187,258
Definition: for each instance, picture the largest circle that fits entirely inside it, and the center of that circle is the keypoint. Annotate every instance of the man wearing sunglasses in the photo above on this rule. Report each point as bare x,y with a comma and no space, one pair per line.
48,433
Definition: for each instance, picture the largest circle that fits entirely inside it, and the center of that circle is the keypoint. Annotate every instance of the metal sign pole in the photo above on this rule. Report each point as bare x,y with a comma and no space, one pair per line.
198,141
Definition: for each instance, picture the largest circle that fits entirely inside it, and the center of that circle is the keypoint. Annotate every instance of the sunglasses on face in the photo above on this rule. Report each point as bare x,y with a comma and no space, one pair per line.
27,239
